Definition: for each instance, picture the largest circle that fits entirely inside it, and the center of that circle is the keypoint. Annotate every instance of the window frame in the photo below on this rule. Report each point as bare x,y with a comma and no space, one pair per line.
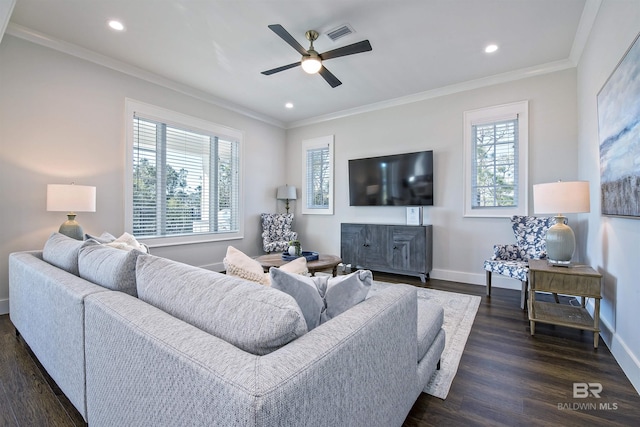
310,145
491,115
183,121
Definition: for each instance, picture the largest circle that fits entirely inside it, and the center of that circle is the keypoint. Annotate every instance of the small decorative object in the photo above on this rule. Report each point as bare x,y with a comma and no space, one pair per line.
294,248
618,129
414,215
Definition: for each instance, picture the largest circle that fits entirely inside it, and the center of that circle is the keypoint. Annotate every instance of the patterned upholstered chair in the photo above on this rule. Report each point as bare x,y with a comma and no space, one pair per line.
276,231
512,260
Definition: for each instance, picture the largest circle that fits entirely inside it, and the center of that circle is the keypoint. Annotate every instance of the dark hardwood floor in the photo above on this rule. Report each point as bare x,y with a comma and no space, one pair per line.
505,377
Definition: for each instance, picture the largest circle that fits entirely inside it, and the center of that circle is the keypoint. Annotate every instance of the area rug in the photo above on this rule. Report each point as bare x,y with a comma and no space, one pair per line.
459,312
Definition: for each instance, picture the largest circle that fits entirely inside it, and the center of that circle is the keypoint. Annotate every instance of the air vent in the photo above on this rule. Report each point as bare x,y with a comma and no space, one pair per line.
341,31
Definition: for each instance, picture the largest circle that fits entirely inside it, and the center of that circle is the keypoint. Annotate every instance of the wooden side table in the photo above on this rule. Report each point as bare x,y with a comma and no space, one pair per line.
577,280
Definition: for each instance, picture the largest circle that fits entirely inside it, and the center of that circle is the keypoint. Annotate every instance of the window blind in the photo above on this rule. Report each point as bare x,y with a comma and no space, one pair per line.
185,181
318,178
495,164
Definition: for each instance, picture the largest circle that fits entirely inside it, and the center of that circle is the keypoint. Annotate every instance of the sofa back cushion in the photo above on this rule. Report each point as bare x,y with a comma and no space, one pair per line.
62,251
254,318
109,267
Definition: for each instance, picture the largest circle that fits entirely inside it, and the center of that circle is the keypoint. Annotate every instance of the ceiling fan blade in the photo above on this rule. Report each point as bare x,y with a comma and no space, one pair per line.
363,46
277,70
329,77
284,35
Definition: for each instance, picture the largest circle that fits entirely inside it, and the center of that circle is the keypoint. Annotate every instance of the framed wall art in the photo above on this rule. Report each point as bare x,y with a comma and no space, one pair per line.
619,137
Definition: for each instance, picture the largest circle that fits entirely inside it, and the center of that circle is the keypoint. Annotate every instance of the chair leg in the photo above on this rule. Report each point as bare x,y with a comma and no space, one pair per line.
555,296
488,275
523,296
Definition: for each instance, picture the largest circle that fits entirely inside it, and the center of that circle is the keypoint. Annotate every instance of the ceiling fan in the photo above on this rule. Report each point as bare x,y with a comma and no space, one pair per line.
311,61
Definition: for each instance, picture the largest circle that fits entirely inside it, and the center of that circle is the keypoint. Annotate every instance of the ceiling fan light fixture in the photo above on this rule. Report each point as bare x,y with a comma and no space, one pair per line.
311,64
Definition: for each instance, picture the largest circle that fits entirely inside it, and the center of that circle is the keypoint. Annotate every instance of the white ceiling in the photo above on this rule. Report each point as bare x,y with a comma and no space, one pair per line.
216,49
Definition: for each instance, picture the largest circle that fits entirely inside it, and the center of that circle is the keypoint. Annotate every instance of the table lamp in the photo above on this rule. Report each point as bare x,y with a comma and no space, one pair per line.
286,192
561,198
71,199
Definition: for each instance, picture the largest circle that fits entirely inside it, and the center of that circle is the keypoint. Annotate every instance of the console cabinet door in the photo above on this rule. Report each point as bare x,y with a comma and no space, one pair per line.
408,246
352,243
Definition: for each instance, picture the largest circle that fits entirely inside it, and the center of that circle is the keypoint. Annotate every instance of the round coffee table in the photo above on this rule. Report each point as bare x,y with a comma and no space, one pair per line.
324,262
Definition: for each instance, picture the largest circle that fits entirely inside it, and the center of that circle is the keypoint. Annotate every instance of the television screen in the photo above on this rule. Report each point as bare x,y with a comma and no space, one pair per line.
396,180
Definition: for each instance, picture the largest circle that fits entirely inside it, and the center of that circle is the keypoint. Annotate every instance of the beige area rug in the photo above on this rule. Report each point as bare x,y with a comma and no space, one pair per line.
459,312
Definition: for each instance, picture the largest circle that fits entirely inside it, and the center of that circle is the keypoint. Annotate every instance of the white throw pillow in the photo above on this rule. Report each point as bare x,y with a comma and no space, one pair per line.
127,242
241,265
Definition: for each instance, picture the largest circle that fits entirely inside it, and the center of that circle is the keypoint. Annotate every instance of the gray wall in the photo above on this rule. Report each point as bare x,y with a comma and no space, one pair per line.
460,244
613,244
62,120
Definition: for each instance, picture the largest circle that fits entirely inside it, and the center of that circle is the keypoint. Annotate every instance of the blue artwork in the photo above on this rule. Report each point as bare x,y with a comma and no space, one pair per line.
619,132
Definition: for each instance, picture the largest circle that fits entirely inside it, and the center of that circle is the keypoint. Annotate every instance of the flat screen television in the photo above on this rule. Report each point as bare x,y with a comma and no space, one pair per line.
395,180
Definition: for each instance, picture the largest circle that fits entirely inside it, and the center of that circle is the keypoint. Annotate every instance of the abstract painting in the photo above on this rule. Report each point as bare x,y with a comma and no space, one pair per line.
619,134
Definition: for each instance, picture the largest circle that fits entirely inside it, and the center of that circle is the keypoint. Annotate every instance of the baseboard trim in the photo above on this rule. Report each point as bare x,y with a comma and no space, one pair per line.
4,306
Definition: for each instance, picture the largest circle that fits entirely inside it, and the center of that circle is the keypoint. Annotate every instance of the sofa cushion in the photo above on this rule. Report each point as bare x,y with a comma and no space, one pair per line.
322,297
254,318
109,267
430,318
62,251
238,264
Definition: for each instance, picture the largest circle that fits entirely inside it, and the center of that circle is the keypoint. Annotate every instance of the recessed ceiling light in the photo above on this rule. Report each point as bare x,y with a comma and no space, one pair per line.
289,105
491,48
116,25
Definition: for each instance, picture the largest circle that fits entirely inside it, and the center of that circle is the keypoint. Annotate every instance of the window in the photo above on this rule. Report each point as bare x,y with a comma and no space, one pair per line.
183,177
495,150
317,173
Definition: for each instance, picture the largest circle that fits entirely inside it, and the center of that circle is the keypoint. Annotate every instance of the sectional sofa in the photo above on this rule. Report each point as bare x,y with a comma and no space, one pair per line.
134,339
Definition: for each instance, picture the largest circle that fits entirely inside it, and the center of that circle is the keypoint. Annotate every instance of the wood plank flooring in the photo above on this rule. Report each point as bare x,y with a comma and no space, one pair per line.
505,378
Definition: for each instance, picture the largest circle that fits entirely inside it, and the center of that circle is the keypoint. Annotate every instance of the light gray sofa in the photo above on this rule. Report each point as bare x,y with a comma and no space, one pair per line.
160,359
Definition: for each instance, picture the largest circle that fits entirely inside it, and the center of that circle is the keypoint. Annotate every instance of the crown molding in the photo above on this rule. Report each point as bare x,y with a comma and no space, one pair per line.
523,73
36,37
587,19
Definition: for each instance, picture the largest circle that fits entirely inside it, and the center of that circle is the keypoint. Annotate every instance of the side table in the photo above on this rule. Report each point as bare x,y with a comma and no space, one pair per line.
577,280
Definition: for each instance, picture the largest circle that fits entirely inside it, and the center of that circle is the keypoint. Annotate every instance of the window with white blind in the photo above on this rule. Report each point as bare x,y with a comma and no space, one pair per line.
495,149
184,177
317,174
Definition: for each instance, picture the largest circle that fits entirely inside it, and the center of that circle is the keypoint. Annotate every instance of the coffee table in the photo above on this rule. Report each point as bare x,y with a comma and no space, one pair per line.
324,262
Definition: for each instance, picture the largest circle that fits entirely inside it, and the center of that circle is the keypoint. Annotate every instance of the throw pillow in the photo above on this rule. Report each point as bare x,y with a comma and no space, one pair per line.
109,267
297,266
322,298
103,238
238,264
127,242
62,251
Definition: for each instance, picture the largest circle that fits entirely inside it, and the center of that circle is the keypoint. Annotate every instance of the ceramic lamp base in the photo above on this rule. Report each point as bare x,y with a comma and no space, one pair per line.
71,228
561,242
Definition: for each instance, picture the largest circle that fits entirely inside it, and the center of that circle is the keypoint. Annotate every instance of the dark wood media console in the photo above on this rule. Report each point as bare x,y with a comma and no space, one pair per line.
399,249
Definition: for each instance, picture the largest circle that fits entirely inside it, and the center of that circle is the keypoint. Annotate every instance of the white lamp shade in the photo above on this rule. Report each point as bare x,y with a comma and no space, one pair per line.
561,197
71,198
286,192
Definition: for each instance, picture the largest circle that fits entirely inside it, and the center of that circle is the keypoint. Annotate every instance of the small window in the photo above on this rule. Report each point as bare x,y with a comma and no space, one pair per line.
495,150
317,173
185,177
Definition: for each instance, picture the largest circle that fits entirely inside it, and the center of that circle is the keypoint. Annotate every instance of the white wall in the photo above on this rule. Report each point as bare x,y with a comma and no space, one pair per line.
613,244
62,120
460,244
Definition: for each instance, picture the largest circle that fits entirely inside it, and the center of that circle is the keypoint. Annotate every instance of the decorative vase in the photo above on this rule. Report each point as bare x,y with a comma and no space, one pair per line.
292,250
